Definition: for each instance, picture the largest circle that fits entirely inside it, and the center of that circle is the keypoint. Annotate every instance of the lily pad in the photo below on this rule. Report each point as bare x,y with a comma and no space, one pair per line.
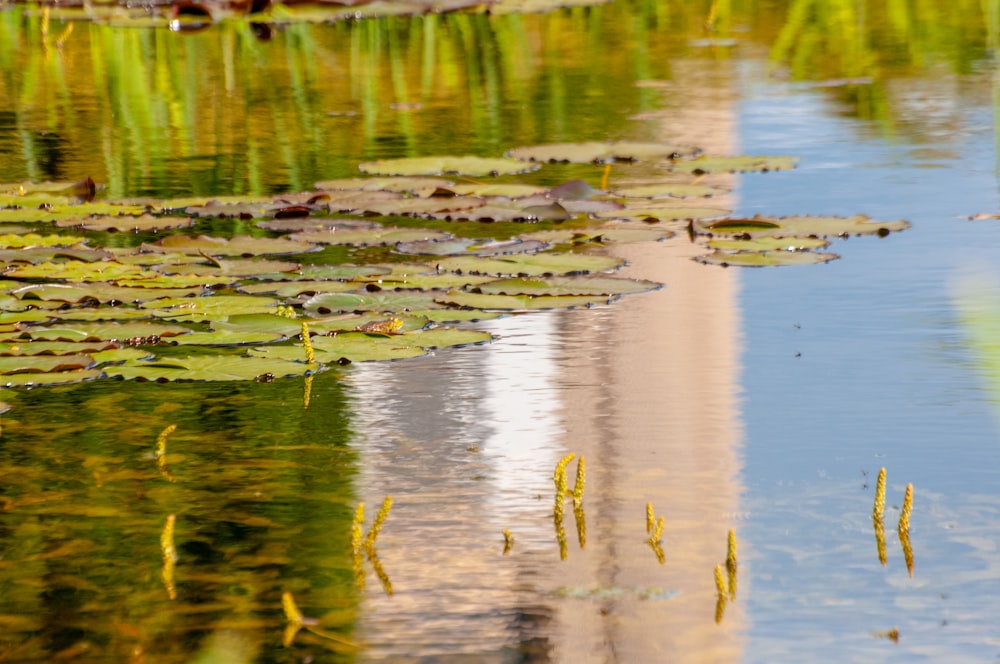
194,309
520,302
765,258
97,292
764,243
802,226
664,213
12,364
370,237
237,246
530,264
743,164
126,223
390,302
297,288
131,333
212,368
464,165
33,347
669,190
601,235
581,285
408,185
596,152
30,240
49,379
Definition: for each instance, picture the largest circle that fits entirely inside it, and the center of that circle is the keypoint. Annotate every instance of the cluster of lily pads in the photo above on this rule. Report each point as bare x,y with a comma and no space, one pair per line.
369,268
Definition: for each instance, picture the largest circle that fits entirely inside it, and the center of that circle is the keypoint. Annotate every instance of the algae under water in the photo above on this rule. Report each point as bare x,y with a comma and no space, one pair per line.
760,401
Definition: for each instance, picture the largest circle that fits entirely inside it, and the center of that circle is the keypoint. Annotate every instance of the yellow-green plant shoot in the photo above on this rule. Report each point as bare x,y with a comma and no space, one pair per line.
380,518
878,511
307,344
904,513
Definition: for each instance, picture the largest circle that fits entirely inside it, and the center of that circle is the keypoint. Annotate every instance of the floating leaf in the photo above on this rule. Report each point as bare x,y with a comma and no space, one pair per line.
246,267
465,165
316,224
211,368
216,306
43,379
11,364
97,292
370,237
30,240
126,223
398,184
391,302
34,347
707,164
124,332
664,213
764,258
764,243
297,288
669,190
520,302
601,235
802,226
502,190
595,152
581,285
237,246
530,264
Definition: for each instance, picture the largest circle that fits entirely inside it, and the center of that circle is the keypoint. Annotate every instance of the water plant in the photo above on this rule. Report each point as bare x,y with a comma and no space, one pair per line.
508,541
732,564
161,453
878,514
904,512
169,556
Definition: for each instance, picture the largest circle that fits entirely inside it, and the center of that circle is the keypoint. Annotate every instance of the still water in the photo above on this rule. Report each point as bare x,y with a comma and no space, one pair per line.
759,400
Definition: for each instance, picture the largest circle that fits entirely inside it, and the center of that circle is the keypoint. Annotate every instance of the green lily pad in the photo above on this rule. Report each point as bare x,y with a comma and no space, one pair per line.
765,258
132,333
765,243
601,235
664,213
212,368
529,264
371,237
269,324
596,152
97,292
193,309
145,223
297,288
119,355
349,346
239,267
78,271
581,285
301,224
29,240
669,190
12,364
520,302
409,185
49,379
502,190
237,246
802,226
227,338
389,302
33,347
743,164
464,165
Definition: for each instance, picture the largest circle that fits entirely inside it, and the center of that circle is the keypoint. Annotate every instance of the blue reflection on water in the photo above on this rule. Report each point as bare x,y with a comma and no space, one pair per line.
860,364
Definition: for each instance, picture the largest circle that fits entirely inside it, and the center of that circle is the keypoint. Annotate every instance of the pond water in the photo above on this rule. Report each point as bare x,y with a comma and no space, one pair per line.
762,401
